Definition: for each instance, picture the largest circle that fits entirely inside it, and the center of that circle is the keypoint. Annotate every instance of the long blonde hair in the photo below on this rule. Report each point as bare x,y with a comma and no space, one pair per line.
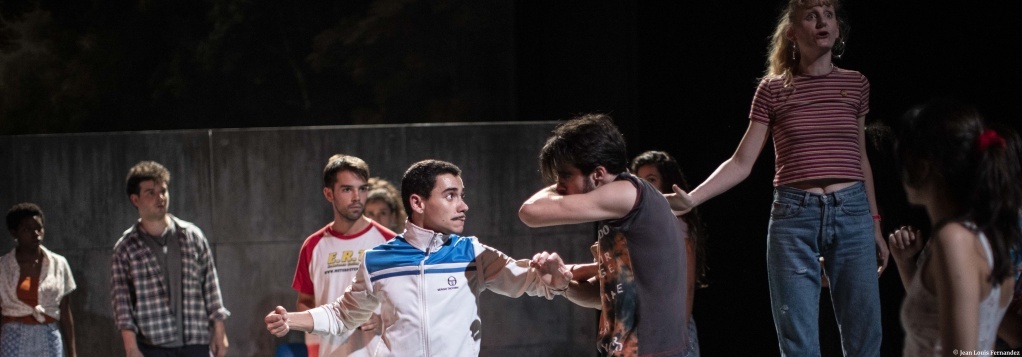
783,58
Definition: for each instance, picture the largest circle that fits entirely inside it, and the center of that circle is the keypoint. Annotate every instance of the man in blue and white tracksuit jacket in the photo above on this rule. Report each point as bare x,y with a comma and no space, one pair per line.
431,275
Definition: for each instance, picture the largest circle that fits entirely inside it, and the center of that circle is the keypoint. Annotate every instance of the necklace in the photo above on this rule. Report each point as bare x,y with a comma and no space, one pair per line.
31,262
165,238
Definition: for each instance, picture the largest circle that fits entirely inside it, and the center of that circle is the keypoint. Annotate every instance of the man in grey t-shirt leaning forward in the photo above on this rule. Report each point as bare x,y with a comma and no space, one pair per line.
640,250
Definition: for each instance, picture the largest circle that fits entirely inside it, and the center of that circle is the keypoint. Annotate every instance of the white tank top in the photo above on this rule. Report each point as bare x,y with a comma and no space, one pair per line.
919,314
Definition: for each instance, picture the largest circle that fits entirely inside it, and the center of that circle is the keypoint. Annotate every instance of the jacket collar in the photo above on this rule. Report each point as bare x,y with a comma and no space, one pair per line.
422,238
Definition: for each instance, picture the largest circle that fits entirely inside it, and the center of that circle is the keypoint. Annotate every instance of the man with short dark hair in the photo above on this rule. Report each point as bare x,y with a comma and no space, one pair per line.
329,258
432,276
640,249
164,285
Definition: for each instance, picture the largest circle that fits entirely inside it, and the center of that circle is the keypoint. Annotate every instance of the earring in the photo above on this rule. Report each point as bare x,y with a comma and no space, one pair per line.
842,48
794,49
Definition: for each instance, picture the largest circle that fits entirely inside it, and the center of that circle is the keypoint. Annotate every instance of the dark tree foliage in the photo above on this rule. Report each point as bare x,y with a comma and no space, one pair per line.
72,66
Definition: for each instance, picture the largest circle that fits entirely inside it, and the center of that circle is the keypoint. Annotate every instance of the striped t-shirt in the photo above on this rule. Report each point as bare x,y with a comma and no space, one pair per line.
814,123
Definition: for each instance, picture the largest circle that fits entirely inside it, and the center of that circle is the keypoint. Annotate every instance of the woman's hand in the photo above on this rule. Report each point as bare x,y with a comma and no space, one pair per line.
904,243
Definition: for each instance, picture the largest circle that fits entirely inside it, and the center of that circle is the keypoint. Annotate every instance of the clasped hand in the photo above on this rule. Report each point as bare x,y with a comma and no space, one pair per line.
552,270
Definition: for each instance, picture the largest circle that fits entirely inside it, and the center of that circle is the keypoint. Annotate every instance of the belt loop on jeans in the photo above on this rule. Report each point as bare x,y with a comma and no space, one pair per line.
805,198
838,198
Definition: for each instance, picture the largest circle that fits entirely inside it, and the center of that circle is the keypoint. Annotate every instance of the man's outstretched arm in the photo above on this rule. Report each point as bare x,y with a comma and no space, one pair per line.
549,208
341,316
279,322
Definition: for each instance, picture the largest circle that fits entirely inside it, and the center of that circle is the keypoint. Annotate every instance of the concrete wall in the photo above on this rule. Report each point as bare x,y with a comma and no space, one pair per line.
257,194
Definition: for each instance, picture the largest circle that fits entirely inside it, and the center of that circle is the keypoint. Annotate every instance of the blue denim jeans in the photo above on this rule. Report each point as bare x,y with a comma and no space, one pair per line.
837,226
693,339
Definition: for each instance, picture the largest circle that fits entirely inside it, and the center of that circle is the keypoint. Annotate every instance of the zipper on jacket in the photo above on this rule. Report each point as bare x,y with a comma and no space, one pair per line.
422,297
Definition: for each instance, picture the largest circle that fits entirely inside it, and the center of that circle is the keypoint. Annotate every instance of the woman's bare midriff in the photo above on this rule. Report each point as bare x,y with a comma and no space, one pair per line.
822,186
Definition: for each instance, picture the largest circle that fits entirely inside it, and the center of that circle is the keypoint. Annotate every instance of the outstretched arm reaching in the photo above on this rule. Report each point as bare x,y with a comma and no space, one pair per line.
339,317
279,322
727,175
510,277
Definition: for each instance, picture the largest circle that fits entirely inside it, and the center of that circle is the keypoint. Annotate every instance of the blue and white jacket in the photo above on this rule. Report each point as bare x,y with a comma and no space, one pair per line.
433,281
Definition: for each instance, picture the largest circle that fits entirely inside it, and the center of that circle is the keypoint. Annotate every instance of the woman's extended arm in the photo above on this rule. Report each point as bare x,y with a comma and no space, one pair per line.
728,174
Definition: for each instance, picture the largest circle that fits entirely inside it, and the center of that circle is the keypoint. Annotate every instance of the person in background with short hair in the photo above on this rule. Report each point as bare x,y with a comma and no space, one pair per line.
329,258
35,284
163,282
384,205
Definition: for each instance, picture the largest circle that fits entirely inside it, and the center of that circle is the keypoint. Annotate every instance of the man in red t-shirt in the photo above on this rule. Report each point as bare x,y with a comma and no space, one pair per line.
330,257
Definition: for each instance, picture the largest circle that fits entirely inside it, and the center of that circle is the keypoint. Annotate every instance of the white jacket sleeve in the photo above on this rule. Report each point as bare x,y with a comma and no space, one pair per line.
507,276
350,310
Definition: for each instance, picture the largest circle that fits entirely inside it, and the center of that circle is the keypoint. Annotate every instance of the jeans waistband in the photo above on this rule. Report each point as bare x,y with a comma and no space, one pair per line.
803,196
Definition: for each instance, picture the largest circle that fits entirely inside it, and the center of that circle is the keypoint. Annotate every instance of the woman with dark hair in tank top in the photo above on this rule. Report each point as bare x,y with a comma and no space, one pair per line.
959,287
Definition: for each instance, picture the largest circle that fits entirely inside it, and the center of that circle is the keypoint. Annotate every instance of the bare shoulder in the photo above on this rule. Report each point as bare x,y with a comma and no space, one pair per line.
956,244
954,235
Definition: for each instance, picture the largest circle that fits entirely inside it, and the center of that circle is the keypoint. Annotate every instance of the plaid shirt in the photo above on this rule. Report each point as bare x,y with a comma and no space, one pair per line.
141,298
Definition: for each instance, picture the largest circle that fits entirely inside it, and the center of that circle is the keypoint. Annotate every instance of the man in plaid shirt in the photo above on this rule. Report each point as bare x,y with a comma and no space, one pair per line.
166,296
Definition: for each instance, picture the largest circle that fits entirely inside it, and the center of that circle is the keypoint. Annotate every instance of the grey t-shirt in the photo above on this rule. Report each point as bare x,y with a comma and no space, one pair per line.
167,249
642,278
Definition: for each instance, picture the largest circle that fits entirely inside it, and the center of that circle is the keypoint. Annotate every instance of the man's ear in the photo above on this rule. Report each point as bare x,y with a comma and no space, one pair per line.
328,193
418,203
134,199
598,175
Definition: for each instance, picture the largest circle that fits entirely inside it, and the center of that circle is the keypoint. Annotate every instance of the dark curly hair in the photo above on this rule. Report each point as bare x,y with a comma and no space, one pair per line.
145,171
21,211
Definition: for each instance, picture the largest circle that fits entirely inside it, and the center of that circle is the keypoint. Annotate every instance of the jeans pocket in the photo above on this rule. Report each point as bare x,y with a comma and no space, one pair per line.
857,207
782,210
